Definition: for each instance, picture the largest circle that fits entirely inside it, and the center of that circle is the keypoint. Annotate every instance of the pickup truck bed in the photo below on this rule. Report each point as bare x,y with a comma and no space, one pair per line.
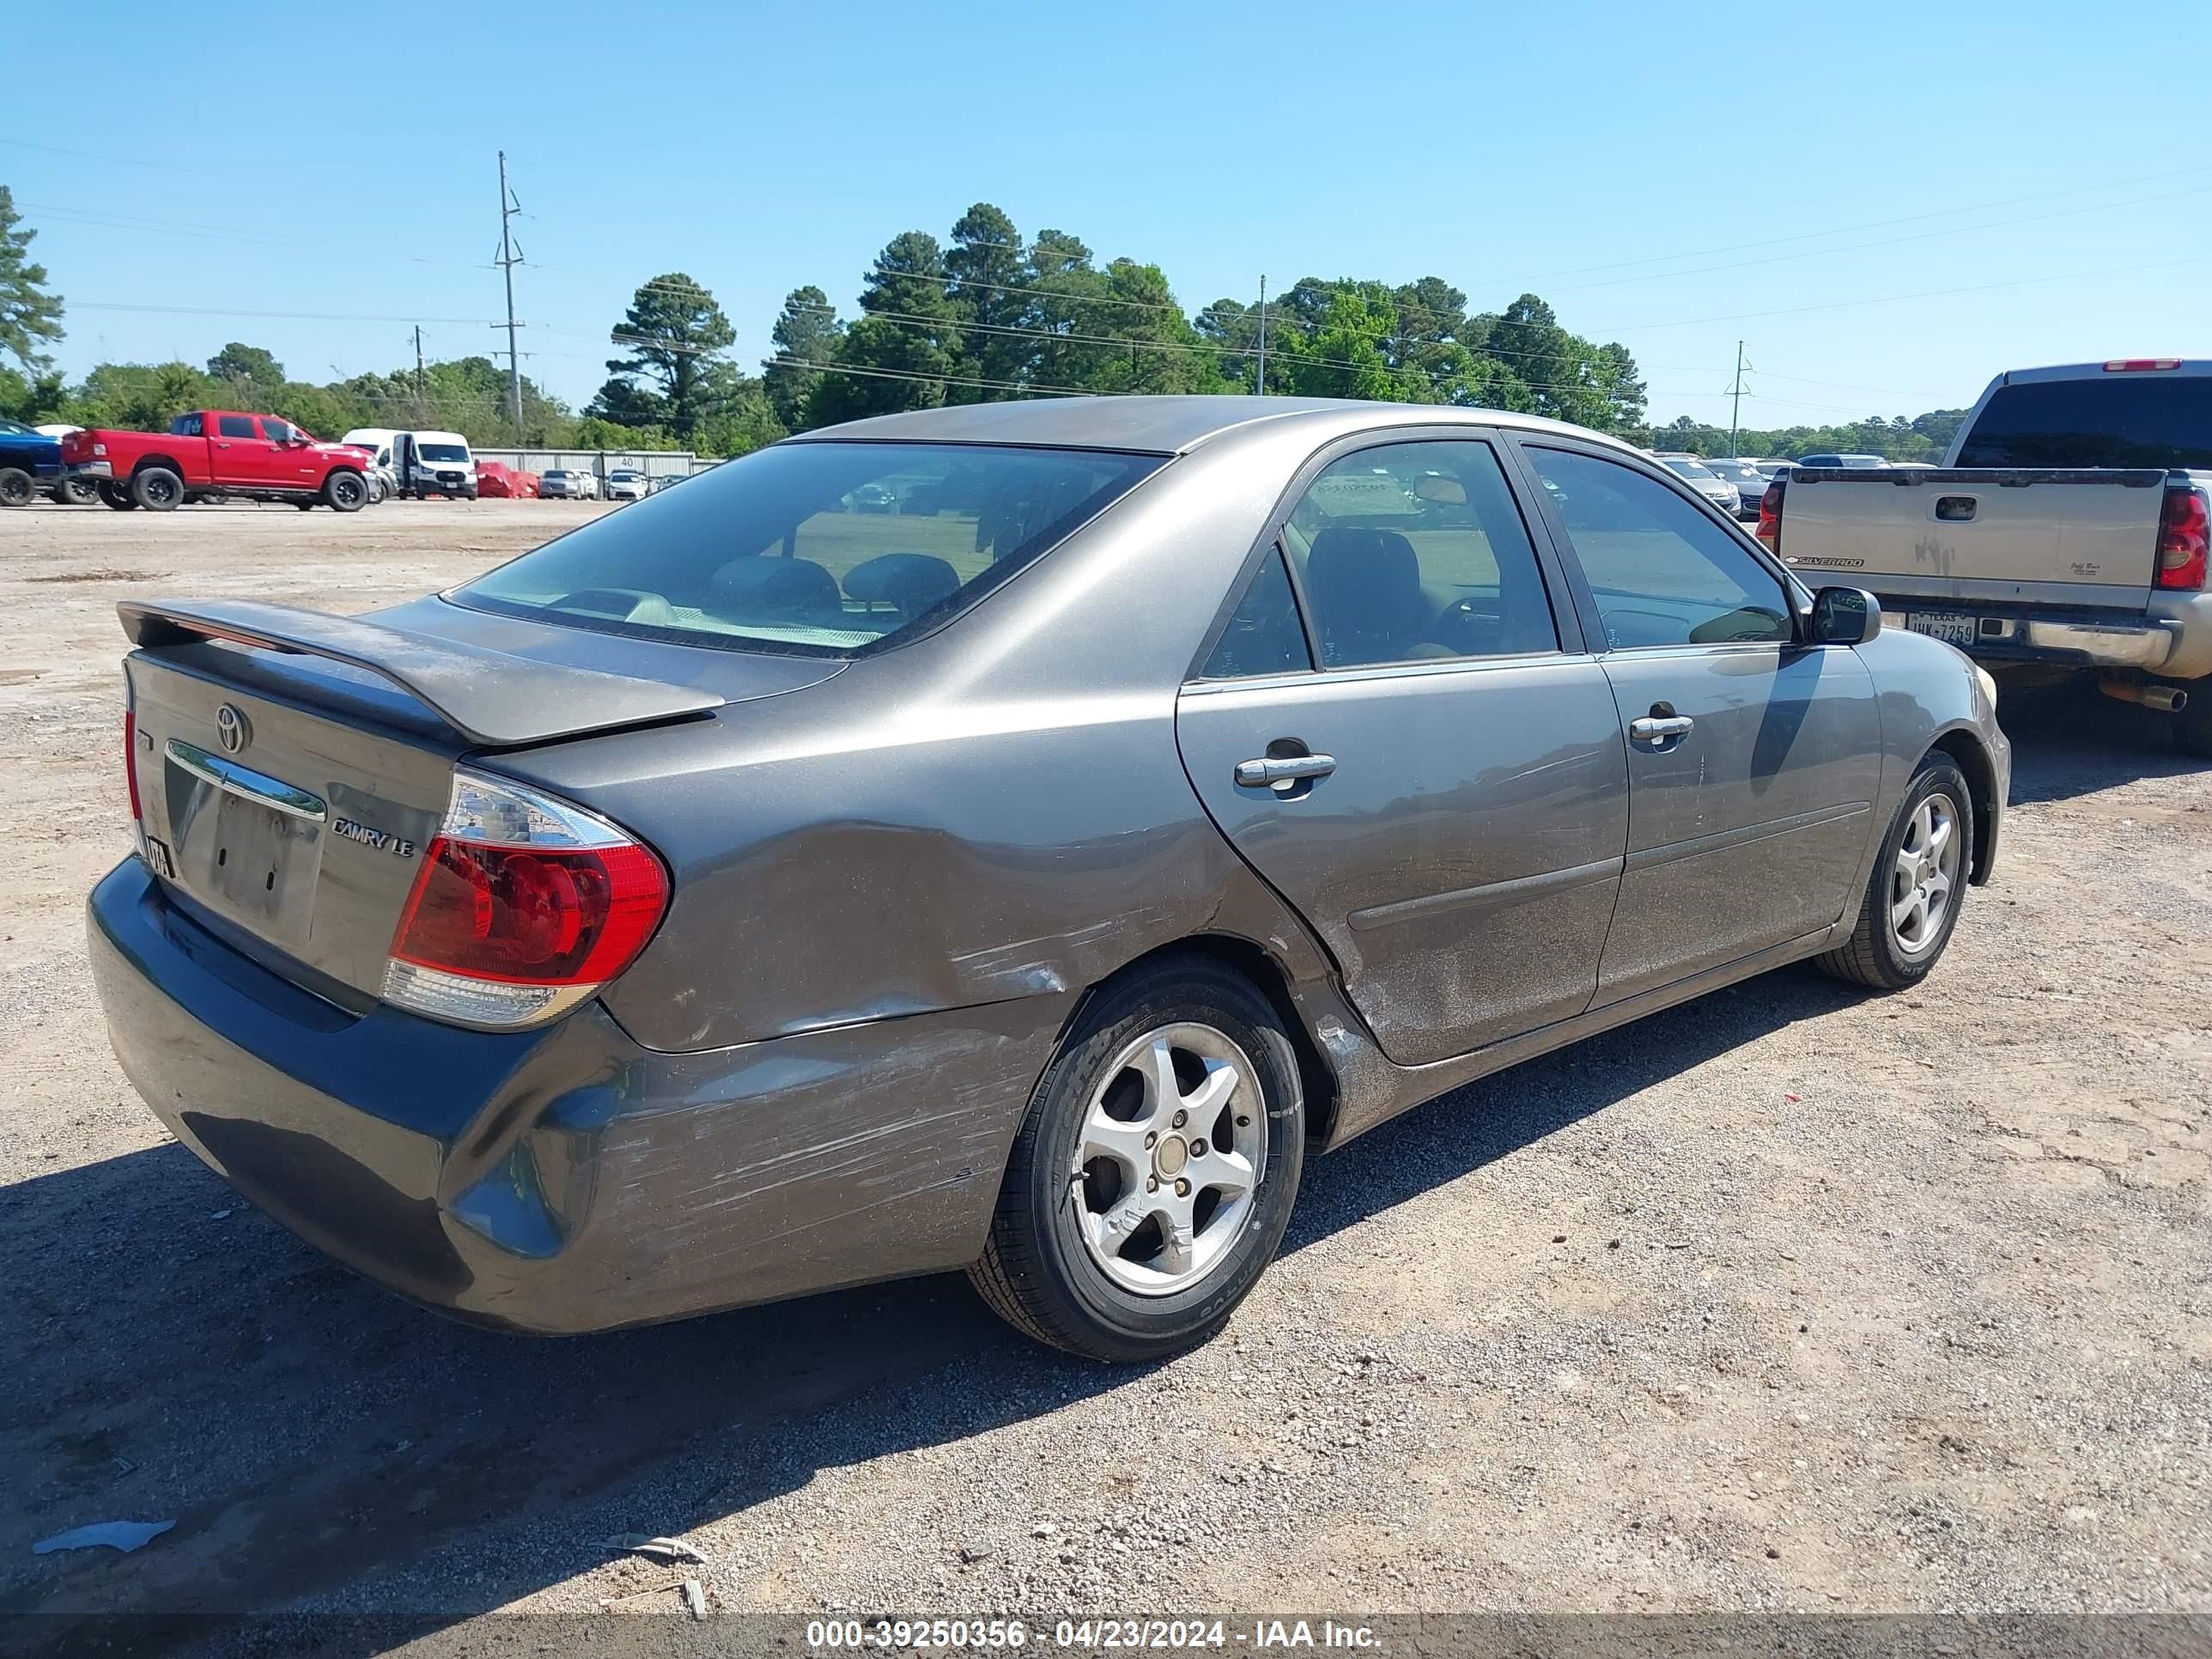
2053,565
2071,530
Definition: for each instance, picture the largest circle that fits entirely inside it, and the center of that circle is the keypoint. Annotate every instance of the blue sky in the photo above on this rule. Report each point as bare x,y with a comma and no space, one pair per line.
1672,177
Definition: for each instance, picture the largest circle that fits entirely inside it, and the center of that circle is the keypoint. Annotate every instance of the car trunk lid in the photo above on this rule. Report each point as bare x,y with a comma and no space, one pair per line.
292,767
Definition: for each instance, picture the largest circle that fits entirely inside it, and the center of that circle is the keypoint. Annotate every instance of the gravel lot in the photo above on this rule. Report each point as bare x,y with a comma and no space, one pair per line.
1789,1299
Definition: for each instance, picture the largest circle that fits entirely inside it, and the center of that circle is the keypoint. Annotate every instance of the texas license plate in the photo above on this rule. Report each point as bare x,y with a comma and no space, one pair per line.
1947,626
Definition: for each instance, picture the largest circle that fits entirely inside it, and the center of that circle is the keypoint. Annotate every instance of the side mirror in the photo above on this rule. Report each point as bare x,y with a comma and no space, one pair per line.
1845,615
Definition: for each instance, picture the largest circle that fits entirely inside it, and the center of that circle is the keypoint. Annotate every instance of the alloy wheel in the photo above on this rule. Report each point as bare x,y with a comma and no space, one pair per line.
1923,877
1168,1161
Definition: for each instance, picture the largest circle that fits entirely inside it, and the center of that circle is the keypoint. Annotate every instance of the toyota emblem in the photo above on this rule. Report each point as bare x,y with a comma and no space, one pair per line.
231,729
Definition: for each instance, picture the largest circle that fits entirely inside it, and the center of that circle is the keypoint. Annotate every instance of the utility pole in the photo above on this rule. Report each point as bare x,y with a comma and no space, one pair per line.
1735,400
508,259
1260,383
419,414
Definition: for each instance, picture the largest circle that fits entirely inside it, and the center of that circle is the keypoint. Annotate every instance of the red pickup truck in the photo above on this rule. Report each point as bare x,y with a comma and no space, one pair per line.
213,453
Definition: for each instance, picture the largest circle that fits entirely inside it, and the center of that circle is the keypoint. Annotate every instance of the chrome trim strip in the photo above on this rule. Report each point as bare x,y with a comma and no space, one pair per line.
244,780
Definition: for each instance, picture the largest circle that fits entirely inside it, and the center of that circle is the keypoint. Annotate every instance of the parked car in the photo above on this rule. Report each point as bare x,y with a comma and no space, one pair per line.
604,987
1861,463
30,465
212,454
1702,479
383,481
2066,530
1745,479
571,483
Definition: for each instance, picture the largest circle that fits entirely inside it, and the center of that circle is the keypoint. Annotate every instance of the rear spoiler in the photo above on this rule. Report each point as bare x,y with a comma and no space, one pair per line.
493,699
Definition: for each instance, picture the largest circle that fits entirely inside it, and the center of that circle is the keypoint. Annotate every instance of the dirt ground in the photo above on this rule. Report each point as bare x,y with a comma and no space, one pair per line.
1793,1298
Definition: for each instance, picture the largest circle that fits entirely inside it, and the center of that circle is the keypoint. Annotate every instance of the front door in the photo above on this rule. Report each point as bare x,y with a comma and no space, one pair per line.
1752,760
1406,748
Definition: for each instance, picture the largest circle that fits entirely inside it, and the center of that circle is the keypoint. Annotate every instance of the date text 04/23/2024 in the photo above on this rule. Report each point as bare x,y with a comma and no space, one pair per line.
1095,1635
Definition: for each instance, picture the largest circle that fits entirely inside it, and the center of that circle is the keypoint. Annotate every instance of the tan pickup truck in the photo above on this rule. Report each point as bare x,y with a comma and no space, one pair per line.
2067,528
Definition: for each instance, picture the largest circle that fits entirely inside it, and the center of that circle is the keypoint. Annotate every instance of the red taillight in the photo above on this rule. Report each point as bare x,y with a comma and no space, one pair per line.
2184,531
522,916
525,905
1770,518
131,761
2131,365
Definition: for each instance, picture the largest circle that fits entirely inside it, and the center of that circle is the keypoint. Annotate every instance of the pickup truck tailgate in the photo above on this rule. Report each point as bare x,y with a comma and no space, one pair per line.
2085,539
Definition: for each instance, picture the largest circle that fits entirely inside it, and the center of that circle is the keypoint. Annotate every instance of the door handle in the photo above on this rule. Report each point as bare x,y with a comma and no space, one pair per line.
1659,728
1287,768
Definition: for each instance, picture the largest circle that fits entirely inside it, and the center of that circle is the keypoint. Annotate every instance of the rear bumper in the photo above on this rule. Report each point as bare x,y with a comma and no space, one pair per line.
2149,643
91,470
567,1180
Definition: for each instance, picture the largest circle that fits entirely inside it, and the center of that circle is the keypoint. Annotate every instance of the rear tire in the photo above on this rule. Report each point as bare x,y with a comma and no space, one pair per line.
1126,1249
345,492
1920,875
157,489
2192,726
16,488
116,495
77,492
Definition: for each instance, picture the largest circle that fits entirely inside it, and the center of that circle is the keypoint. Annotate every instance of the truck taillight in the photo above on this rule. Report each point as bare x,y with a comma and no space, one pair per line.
2134,365
2185,531
525,906
131,761
1770,518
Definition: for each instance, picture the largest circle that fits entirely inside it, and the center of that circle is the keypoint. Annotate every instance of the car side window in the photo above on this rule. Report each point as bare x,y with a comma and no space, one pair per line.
1264,635
1661,571
1412,552
277,431
234,426
189,426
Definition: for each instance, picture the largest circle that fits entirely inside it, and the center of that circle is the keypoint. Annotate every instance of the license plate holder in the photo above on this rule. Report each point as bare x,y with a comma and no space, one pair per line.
1952,627
244,857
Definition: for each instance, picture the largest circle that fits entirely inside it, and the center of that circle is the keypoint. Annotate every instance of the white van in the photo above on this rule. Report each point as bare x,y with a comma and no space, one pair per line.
433,463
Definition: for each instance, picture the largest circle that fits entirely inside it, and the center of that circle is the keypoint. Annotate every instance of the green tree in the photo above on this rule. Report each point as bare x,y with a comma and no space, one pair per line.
673,329
900,354
253,370
29,316
985,267
806,330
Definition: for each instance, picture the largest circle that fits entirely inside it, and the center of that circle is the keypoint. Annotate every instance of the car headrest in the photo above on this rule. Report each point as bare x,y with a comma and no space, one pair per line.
912,581
1362,581
778,589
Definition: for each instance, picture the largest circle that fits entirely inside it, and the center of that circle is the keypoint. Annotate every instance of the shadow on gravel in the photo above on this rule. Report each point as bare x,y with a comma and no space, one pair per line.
2070,739
183,1357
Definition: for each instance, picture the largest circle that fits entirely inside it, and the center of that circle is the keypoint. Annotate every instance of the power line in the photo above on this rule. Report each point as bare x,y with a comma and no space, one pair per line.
1887,241
1892,299
1871,224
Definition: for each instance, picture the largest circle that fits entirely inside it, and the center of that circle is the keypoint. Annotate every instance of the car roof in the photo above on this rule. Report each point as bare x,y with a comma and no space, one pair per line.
1165,425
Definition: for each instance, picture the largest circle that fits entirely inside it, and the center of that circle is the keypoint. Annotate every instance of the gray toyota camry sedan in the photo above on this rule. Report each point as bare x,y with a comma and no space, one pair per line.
1009,838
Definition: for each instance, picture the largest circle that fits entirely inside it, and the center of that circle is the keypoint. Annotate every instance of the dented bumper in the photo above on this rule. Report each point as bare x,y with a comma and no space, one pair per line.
567,1180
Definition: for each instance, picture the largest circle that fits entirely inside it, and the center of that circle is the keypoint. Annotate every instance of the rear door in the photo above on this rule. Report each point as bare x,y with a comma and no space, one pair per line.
238,454
1753,761
1394,729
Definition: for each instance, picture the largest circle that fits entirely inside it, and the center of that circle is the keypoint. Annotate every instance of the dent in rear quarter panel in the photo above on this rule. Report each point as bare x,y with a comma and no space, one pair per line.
998,811
776,1170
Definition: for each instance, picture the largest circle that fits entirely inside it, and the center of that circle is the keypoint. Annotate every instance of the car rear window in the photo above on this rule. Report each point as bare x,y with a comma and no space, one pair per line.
2137,420
821,548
